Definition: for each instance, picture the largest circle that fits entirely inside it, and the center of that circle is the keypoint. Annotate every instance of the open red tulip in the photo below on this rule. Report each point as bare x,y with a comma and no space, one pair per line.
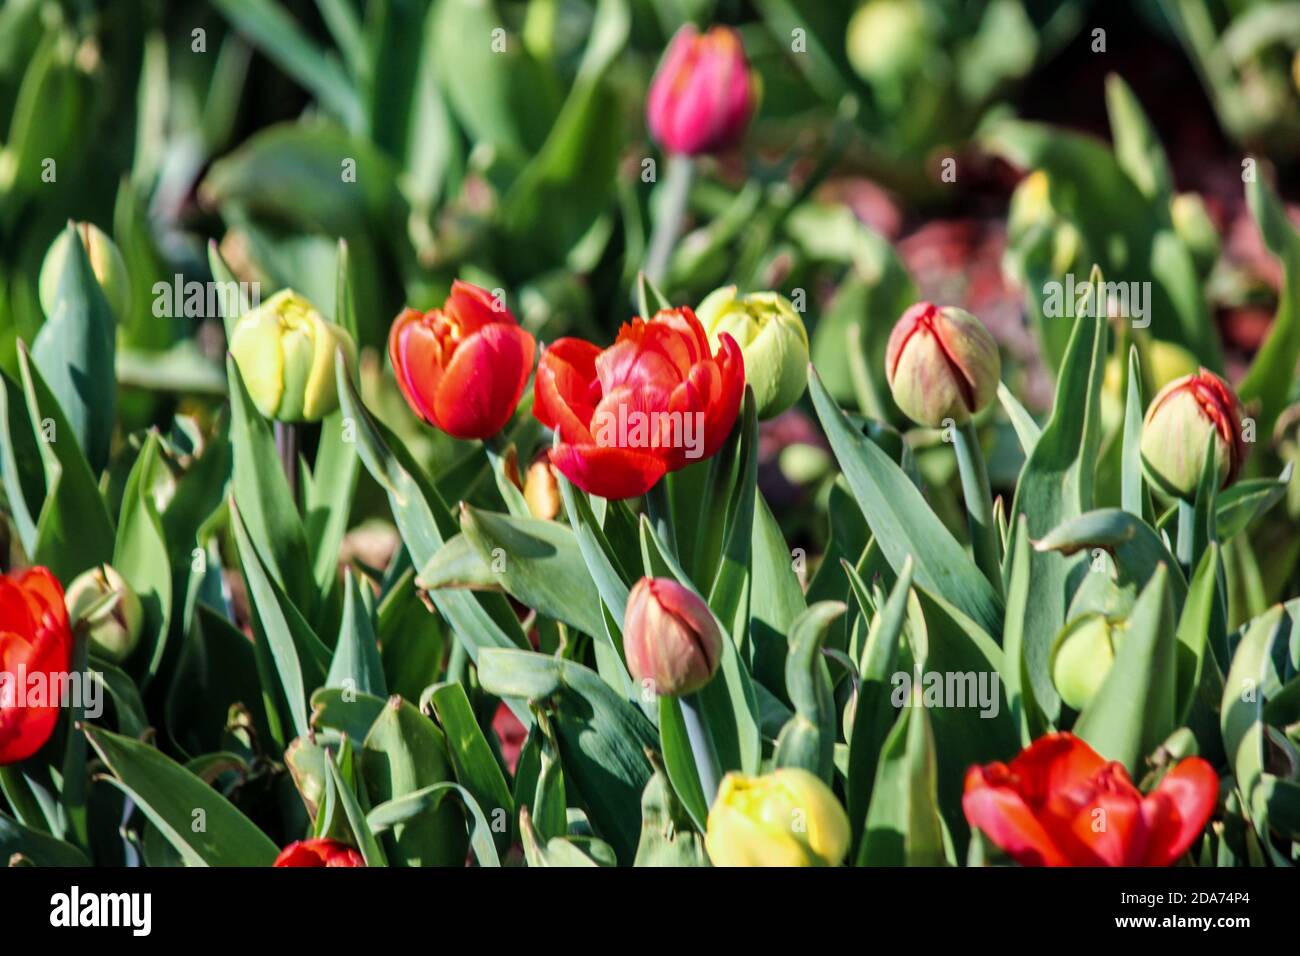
318,852
462,368
1060,803
35,646
651,403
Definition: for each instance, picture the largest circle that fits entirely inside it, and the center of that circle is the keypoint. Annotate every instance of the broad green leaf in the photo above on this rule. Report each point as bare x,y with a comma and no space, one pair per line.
1137,150
1057,484
539,563
140,556
1027,430
872,710
404,809
1133,492
1133,711
900,519
668,837
479,620
355,664
602,737
173,797
40,848
301,660
74,351
475,765
327,500
263,497
808,740
1194,626
73,531
20,463
405,752
1020,690
776,599
903,826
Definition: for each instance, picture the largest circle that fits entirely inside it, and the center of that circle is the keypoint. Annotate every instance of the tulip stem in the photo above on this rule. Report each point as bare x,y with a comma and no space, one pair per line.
979,503
287,440
676,188
1186,533
707,764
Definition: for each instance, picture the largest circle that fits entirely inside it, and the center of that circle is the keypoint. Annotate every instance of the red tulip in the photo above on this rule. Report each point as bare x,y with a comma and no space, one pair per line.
319,852
1059,803
35,643
463,367
651,403
703,94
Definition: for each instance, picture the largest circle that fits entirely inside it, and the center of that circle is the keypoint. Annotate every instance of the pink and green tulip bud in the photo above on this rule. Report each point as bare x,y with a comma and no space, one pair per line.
703,94
1082,655
103,604
105,262
285,352
772,340
788,817
671,641
1176,433
941,364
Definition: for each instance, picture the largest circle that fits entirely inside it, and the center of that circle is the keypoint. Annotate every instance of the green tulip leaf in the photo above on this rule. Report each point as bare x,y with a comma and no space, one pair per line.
1133,711
174,800
74,351
808,740
601,736
900,519
356,664
872,710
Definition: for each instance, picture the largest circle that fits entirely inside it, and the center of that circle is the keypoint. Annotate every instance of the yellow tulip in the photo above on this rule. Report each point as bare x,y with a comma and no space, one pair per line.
784,818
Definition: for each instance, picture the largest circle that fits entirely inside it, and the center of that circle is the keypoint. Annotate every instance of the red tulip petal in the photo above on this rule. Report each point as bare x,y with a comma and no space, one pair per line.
472,308
1181,806
608,472
564,387
417,357
1109,829
481,387
1053,763
1002,814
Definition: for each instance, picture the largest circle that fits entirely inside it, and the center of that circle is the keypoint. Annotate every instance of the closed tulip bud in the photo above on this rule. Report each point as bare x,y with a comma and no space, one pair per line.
888,39
772,340
105,262
670,639
319,852
788,817
941,364
1178,428
462,368
703,94
104,605
541,490
1082,655
1193,225
285,352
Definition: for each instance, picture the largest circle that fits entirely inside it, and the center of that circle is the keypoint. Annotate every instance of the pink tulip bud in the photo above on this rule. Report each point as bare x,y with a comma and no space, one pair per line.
670,638
941,364
704,93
